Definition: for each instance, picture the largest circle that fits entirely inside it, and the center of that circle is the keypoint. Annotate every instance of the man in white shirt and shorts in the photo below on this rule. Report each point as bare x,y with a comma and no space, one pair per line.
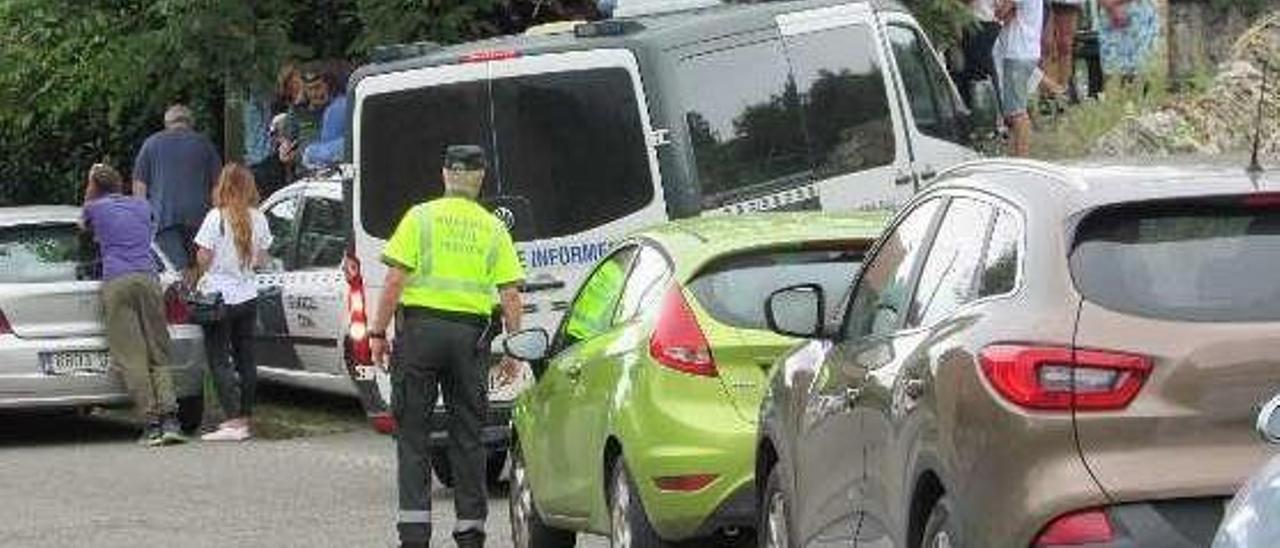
1019,45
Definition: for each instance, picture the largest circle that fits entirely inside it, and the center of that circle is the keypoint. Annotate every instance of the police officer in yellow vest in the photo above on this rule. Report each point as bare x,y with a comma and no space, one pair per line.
449,263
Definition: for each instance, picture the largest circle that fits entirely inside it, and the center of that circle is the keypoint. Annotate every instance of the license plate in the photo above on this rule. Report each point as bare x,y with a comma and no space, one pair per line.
91,362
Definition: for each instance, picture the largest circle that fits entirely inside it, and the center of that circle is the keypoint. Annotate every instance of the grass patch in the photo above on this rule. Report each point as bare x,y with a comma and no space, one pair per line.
1072,134
281,413
284,413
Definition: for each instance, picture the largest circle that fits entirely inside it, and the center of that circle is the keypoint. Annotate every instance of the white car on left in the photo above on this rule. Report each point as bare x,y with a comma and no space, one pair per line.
53,347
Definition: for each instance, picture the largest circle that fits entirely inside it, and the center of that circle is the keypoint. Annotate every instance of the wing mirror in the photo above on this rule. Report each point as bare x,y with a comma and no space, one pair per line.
1268,425
797,311
530,345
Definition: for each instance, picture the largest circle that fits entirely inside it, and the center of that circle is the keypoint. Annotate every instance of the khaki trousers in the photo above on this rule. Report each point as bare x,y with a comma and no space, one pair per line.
138,338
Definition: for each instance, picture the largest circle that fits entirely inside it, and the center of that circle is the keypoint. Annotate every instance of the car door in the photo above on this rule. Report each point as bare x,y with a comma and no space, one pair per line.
830,471
316,286
272,347
856,136
575,388
900,366
938,127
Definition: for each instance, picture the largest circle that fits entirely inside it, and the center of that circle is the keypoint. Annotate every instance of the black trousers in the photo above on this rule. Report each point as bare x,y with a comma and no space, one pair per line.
977,42
431,355
229,347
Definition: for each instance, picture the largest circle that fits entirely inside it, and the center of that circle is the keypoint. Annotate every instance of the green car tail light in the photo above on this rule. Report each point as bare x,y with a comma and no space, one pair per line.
678,341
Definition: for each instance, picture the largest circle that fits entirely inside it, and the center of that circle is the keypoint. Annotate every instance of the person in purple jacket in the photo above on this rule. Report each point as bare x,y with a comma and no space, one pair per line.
137,333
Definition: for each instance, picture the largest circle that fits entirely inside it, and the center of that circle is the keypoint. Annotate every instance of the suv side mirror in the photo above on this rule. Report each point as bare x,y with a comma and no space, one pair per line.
1268,424
530,345
797,311
984,110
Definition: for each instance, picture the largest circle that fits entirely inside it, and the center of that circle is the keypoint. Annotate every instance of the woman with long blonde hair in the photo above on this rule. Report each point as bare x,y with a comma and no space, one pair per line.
232,241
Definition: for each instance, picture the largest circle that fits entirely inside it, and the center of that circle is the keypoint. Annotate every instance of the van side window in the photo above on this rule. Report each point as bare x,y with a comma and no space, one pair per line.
846,110
950,272
744,120
927,88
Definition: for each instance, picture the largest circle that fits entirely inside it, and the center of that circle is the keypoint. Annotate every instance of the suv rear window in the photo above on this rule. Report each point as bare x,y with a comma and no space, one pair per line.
47,253
570,149
1206,261
733,290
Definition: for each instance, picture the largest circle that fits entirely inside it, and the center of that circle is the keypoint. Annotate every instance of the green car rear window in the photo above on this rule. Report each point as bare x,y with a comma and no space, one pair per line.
1207,260
733,290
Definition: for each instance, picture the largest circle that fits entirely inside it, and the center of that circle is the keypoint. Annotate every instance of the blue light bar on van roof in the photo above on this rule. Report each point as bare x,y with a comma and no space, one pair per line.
610,27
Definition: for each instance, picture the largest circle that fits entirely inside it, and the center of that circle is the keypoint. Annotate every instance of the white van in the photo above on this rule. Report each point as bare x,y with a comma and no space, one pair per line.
622,124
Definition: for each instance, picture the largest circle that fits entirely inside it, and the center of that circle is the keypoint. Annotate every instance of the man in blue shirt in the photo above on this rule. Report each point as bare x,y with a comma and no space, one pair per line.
137,333
329,150
175,170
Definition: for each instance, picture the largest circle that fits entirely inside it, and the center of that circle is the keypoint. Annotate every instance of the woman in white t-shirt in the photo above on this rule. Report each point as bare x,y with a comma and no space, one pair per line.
232,241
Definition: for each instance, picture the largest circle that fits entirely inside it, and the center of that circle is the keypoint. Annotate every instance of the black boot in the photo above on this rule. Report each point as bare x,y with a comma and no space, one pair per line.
414,535
469,539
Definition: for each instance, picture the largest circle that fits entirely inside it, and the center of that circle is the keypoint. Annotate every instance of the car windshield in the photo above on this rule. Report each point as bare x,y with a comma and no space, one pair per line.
733,290
51,252
1191,261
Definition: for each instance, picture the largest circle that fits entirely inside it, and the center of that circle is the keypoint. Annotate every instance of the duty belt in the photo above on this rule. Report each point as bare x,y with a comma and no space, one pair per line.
422,312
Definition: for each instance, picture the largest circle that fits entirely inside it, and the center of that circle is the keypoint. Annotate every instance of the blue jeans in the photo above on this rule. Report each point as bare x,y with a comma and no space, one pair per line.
1015,85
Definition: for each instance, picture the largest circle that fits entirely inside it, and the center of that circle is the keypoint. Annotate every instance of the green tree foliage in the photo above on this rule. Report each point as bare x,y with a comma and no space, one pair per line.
942,19
83,81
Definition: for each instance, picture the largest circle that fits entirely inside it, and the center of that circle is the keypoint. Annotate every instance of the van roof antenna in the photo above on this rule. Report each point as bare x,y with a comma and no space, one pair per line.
1255,167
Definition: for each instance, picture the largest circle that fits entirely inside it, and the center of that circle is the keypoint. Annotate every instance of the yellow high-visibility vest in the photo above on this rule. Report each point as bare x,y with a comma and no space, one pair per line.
457,254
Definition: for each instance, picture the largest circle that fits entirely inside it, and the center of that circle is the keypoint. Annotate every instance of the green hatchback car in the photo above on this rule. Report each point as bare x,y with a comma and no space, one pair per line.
642,423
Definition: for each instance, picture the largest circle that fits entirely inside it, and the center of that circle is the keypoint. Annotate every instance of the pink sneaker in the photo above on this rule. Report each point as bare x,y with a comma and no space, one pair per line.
228,431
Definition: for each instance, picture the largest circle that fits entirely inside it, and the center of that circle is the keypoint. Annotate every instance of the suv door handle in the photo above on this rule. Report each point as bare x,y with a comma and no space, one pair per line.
903,179
929,174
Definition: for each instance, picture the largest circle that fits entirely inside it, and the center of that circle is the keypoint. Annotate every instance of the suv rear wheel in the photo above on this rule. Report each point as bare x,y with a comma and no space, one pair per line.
775,519
527,528
940,531
630,526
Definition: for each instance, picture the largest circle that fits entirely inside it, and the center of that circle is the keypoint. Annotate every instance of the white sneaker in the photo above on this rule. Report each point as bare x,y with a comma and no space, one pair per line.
227,433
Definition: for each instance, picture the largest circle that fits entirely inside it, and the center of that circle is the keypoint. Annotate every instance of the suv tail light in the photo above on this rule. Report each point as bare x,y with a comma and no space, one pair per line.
175,309
1086,527
357,317
678,341
1063,378
5,328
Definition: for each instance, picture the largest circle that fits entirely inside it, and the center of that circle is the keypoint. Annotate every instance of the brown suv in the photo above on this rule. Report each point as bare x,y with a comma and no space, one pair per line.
1033,356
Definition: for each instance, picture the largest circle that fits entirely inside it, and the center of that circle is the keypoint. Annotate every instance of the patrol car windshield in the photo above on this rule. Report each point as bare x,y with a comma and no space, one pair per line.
567,149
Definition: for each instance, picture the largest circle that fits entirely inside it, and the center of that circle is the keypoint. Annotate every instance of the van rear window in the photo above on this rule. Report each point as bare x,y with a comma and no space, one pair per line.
1211,261
567,149
733,290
